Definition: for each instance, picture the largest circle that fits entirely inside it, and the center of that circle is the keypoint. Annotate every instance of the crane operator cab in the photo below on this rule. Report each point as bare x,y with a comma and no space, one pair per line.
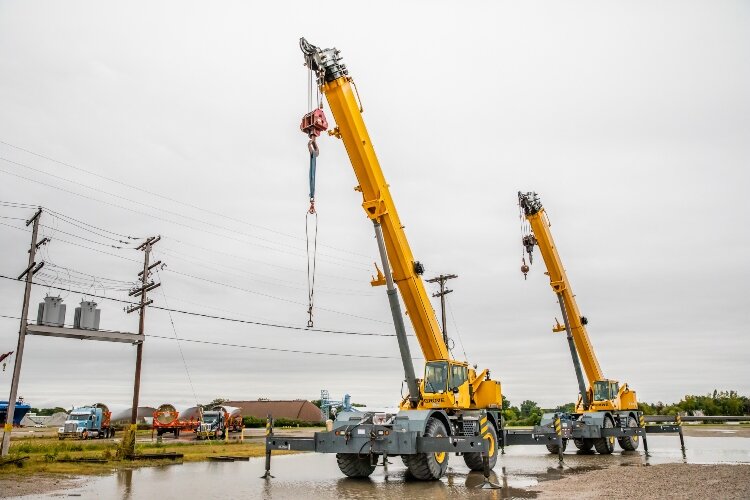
609,396
605,390
445,384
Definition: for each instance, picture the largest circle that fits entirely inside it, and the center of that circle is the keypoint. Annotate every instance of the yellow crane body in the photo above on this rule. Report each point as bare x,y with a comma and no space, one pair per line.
602,394
474,390
378,205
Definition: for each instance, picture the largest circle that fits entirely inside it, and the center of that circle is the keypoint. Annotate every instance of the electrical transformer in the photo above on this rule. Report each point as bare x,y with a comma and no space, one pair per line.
51,312
87,316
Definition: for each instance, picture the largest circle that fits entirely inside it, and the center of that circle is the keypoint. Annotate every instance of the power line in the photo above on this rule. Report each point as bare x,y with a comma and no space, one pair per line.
59,240
260,348
159,209
210,316
261,278
92,228
137,188
246,290
295,351
241,257
220,283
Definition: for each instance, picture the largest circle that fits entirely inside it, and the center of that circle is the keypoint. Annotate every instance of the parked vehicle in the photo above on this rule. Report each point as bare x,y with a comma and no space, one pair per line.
217,421
167,420
87,422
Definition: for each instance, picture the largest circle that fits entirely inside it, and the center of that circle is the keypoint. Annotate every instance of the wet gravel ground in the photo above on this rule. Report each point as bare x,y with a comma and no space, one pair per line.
710,468
657,481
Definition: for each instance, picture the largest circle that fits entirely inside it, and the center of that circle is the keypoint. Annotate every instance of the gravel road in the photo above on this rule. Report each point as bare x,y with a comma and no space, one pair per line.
654,481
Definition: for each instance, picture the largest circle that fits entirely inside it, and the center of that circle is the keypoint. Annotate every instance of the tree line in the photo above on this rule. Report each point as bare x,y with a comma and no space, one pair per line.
728,403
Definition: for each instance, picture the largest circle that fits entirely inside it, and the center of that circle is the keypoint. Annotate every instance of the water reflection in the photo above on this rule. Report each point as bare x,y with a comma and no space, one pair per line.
312,476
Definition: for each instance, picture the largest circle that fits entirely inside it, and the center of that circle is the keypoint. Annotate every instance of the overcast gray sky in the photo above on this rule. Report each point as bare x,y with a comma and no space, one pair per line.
631,119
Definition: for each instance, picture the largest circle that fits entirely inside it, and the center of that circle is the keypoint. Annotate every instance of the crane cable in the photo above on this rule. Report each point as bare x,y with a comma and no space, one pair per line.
313,123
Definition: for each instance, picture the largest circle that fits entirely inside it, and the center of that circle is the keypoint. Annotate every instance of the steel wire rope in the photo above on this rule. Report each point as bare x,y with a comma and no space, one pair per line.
153,207
137,188
311,277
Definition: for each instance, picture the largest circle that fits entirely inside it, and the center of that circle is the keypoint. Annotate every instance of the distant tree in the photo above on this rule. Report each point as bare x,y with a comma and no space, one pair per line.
45,412
566,408
529,407
506,403
215,402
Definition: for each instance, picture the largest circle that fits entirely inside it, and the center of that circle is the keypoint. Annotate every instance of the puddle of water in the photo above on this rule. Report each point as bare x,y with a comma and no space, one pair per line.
317,476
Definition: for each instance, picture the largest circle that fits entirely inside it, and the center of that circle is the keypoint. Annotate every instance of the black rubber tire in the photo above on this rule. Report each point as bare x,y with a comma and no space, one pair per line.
584,444
630,443
353,465
555,448
606,445
474,460
425,466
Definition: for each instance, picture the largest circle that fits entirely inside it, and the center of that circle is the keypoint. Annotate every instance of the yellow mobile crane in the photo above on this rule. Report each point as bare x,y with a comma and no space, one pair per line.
605,410
452,408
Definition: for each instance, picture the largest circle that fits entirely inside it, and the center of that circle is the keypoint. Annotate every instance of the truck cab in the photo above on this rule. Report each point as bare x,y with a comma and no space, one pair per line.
212,425
86,422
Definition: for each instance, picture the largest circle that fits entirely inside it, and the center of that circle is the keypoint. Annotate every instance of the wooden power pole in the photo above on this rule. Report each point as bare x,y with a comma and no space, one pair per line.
442,293
146,286
32,268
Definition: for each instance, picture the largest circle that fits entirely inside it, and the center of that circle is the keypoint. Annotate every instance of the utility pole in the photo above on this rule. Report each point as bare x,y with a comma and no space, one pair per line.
32,268
442,293
146,286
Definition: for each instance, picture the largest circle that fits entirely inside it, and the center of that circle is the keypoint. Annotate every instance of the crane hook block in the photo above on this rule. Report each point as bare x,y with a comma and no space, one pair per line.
314,123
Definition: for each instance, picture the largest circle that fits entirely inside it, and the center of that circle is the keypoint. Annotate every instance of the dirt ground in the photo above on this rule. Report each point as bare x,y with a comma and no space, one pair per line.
687,481
717,431
36,485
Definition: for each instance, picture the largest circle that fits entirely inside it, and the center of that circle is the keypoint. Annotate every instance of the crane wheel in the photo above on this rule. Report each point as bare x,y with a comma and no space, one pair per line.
474,460
584,444
555,448
429,466
606,445
354,465
630,443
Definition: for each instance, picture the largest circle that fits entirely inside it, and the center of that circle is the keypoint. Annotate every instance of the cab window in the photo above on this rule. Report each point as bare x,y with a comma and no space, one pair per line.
436,377
614,388
601,390
458,376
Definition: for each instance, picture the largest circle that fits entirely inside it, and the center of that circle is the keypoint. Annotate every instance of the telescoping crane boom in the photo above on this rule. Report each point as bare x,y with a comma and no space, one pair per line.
452,408
602,403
